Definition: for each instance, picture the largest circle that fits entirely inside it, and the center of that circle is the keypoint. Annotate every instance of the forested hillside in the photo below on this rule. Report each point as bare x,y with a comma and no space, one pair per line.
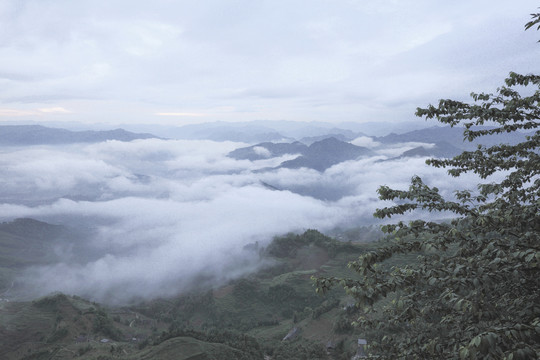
274,313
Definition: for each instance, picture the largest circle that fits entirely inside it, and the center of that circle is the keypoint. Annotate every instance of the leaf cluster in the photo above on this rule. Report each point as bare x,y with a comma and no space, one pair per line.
474,291
535,20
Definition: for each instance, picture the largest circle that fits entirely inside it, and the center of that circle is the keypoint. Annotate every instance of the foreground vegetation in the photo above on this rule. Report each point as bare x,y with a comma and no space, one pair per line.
475,291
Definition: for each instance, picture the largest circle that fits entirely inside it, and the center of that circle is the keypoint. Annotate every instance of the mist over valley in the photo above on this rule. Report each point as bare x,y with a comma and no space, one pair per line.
163,216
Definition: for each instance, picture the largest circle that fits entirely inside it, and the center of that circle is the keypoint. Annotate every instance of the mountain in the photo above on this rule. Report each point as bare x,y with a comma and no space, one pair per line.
247,132
267,150
16,135
325,153
450,135
26,242
326,150
441,149
30,228
320,155
251,131
342,136
260,131
381,128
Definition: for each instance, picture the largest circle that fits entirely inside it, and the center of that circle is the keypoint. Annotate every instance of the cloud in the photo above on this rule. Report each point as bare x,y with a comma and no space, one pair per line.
33,112
166,215
15,112
180,114
365,141
166,212
57,109
262,151
162,251
121,61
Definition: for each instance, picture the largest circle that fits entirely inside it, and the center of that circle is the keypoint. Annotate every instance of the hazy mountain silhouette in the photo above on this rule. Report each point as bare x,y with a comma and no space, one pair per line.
319,156
325,153
451,135
442,149
342,136
41,135
272,150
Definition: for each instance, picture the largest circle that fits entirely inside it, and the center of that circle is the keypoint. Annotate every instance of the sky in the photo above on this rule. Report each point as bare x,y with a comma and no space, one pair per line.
180,62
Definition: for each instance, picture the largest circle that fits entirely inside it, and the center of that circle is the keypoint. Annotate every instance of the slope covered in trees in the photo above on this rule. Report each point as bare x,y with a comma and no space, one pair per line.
247,318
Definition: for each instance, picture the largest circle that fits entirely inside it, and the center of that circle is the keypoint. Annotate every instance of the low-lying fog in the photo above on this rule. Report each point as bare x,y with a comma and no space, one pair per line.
168,215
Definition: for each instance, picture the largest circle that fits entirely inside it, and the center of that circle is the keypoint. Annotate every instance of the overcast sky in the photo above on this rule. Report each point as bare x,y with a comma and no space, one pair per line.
179,62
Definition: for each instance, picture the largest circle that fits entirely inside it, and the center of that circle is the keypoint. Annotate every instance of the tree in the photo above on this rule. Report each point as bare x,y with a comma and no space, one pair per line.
535,20
475,290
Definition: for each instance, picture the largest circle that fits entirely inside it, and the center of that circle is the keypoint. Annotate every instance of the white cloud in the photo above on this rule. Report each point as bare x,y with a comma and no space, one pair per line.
15,112
365,141
262,151
166,212
57,109
180,114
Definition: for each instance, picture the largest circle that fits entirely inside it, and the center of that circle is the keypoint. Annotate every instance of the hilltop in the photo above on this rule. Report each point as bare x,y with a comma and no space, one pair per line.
320,155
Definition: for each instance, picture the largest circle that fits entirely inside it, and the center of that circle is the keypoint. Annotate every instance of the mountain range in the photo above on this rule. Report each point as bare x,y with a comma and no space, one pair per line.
20,135
319,145
248,132
274,130
330,151
320,155
450,135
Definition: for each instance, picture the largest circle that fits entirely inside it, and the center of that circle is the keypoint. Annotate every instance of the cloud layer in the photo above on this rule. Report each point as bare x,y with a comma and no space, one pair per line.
167,215
193,61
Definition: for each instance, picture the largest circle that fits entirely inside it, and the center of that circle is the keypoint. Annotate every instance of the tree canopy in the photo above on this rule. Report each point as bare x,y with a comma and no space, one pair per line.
474,291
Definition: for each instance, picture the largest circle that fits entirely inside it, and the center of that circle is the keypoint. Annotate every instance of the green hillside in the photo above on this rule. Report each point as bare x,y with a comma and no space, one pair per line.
245,319
26,242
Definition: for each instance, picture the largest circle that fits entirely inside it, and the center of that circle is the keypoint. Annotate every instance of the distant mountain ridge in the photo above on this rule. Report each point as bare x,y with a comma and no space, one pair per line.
342,136
440,149
40,135
320,155
24,242
254,131
255,152
325,153
450,135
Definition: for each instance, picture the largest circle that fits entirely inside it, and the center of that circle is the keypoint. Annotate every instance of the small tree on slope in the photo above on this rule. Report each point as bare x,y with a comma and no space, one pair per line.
475,291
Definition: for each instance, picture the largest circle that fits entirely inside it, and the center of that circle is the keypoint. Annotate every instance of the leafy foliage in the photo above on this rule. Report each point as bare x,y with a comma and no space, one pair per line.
104,325
288,245
535,20
475,291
